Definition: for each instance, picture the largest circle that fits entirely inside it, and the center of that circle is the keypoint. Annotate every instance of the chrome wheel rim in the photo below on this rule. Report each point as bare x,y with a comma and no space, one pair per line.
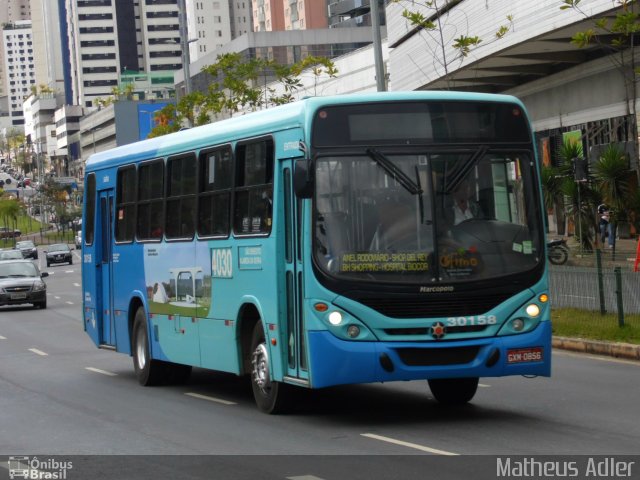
260,368
141,351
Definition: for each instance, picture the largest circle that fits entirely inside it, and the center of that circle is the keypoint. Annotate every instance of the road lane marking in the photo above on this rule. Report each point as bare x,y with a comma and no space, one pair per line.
69,271
103,372
69,303
211,399
76,284
38,352
304,477
482,385
2,338
422,448
56,297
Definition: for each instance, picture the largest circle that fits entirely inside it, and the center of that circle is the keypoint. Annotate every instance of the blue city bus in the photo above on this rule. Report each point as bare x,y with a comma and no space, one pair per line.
334,240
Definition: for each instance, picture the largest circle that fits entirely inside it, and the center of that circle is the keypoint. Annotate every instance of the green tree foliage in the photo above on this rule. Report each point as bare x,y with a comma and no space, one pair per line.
239,84
432,26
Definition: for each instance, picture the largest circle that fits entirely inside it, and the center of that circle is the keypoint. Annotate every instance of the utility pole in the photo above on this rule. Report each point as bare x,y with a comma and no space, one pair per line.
377,46
184,45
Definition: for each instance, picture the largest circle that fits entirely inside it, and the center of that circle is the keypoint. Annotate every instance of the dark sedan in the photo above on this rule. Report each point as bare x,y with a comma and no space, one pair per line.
59,253
28,249
21,282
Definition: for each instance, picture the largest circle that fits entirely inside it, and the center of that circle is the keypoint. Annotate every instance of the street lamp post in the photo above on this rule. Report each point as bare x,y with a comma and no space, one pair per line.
377,46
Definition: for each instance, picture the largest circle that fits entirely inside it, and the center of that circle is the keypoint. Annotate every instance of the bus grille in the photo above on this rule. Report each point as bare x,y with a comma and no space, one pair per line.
426,357
433,307
425,330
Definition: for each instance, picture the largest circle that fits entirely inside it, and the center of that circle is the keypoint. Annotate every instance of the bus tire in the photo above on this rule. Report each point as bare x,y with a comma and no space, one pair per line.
270,396
149,372
453,391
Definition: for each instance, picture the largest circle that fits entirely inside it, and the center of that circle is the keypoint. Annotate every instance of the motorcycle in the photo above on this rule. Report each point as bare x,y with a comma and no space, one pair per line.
558,251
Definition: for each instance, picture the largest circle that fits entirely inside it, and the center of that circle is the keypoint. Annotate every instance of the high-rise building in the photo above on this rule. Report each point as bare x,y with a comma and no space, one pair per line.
276,15
48,46
110,37
17,46
268,15
11,11
212,24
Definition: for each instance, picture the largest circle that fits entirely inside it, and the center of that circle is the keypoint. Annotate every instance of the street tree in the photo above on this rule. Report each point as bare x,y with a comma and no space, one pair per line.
240,84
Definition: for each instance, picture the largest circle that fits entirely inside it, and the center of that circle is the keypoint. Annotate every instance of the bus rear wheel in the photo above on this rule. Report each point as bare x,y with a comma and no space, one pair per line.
149,372
270,396
454,391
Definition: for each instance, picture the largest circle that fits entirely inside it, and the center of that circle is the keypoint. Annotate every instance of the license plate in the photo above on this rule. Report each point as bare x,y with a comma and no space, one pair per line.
523,355
18,296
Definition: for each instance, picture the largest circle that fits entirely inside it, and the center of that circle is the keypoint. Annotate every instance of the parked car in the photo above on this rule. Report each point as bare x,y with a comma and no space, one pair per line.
28,249
59,253
21,282
6,232
10,254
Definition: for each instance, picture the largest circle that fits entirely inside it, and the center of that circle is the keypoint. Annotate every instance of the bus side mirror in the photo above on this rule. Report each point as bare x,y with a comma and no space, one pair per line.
302,179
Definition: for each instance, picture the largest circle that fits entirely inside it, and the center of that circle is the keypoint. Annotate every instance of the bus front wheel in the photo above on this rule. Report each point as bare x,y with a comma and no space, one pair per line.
270,396
453,391
149,371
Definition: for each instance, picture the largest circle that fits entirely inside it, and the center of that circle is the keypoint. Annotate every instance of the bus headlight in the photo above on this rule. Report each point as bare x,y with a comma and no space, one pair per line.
532,310
353,331
517,324
335,318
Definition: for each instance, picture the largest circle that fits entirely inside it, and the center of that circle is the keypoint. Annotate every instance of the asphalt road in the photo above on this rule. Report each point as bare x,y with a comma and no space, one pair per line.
59,395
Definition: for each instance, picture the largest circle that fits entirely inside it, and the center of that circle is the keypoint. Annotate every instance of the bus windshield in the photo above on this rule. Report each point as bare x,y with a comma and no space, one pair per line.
435,216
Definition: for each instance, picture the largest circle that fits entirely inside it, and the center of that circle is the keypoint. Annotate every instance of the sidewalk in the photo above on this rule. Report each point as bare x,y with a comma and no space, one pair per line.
623,255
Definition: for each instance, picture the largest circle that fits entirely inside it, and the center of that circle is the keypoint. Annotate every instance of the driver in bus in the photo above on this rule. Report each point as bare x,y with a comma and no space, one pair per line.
464,206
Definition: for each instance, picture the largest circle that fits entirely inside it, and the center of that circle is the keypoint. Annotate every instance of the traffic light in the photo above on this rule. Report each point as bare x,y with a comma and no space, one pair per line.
580,169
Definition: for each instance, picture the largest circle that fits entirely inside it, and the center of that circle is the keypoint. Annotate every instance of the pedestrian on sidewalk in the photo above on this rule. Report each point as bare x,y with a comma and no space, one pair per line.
603,224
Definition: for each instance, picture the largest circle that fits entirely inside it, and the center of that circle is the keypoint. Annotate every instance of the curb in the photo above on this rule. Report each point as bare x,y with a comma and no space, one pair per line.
612,349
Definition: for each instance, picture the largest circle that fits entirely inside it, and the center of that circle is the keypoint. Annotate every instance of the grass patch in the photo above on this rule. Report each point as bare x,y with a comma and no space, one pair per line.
572,322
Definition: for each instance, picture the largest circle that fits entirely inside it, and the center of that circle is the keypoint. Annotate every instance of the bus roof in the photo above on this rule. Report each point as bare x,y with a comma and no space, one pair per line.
291,115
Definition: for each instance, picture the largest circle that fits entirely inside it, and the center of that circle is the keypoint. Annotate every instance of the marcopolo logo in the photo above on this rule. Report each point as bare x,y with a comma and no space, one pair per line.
38,469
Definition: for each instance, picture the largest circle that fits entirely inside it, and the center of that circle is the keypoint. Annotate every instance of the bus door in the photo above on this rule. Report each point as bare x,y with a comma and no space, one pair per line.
296,344
104,267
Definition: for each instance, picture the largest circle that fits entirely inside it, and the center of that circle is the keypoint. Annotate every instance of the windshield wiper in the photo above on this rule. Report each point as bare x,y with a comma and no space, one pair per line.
462,173
388,166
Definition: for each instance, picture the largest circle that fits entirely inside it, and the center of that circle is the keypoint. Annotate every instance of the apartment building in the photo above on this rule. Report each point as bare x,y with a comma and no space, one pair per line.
10,12
17,46
110,37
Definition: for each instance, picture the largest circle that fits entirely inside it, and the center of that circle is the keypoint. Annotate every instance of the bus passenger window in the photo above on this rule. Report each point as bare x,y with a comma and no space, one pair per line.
254,188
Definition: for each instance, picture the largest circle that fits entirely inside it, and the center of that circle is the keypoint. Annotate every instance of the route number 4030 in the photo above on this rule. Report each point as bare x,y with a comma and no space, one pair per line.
472,320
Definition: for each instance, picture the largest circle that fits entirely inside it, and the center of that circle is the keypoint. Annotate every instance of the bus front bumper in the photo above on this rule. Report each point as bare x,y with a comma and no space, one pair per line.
337,362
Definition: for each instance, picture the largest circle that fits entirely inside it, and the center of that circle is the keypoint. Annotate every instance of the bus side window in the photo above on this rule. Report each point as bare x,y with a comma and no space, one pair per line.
254,188
214,192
